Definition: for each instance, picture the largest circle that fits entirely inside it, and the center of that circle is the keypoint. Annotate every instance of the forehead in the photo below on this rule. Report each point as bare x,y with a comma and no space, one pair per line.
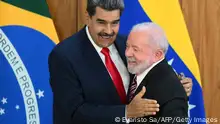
138,37
107,15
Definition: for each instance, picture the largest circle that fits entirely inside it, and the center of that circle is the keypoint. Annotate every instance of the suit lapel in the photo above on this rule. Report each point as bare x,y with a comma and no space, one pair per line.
97,69
143,83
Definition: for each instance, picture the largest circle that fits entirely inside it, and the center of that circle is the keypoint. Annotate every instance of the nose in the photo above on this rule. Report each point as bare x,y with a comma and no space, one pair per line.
128,52
108,29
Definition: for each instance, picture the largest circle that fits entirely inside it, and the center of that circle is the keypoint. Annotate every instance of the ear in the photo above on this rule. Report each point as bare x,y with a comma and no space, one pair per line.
87,18
159,55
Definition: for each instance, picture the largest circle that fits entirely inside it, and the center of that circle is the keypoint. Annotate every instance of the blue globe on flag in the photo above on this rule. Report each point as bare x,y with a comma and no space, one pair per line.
25,91
27,36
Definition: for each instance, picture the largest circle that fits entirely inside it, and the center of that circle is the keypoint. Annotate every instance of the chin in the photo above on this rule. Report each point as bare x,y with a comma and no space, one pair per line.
107,44
103,43
132,69
137,69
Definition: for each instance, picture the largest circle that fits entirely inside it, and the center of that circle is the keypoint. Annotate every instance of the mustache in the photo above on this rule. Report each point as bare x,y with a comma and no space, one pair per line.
131,59
106,34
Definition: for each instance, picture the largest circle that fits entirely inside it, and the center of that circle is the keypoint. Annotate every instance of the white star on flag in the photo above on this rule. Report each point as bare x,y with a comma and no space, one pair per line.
17,107
191,106
4,100
2,111
40,94
170,62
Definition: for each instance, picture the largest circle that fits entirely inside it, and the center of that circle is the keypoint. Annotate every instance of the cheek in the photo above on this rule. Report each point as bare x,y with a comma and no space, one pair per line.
139,58
98,29
150,58
116,29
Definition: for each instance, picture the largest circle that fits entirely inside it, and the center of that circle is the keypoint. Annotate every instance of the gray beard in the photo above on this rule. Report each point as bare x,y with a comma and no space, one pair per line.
138,69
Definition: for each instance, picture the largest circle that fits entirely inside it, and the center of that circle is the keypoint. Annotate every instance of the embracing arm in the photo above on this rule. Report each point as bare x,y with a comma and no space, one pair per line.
70,107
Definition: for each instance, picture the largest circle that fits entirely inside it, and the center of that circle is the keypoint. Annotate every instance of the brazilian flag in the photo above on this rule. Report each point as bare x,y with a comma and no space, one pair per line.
168,15
27,35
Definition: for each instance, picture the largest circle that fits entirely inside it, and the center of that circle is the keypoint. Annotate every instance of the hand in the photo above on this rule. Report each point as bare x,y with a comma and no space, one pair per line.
187,83
140,107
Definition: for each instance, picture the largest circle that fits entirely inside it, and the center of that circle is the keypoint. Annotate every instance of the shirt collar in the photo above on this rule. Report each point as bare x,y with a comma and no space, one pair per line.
98,48
141,76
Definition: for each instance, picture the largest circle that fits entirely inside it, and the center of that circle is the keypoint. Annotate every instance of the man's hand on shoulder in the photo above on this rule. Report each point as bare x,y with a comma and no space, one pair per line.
140,107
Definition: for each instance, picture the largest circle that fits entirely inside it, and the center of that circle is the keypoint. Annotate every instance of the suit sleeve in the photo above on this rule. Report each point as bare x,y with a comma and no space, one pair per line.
69,104
177,109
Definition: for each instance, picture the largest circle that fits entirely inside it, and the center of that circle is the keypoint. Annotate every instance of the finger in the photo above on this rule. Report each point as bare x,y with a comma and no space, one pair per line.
153,105
189,93
141,93
149,101
151,109
186,81
187,85
149,113
187,90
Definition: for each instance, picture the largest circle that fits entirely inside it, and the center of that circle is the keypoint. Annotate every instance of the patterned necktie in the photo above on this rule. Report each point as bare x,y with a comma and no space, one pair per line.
132,89
117,80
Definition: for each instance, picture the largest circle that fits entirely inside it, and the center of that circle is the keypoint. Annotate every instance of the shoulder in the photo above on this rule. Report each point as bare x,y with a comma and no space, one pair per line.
122,37
121,42
165,84
71,45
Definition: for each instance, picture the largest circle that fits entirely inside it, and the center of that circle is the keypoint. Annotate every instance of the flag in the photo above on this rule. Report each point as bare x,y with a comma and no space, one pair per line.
168,15
27,35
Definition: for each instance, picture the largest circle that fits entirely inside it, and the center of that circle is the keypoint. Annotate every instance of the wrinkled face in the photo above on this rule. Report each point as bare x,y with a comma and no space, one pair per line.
140,54
104,26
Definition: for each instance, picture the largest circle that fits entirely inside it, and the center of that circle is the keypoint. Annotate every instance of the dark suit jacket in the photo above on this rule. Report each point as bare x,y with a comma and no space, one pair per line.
83,89
163,85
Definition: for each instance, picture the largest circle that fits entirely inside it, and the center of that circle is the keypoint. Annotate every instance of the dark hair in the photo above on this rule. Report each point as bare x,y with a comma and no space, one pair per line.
109,5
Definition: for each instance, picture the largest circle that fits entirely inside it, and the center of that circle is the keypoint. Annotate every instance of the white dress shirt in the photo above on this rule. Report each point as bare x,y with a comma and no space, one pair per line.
115,58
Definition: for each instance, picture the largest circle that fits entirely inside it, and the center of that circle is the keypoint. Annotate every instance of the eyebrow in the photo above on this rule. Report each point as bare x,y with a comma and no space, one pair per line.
135,46
101,20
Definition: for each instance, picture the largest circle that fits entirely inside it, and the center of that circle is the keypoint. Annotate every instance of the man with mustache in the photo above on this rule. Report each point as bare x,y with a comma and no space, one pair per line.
88,72
145,51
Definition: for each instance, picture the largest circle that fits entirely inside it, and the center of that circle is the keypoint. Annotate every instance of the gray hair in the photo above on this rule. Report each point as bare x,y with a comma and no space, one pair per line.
109,5
156,34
